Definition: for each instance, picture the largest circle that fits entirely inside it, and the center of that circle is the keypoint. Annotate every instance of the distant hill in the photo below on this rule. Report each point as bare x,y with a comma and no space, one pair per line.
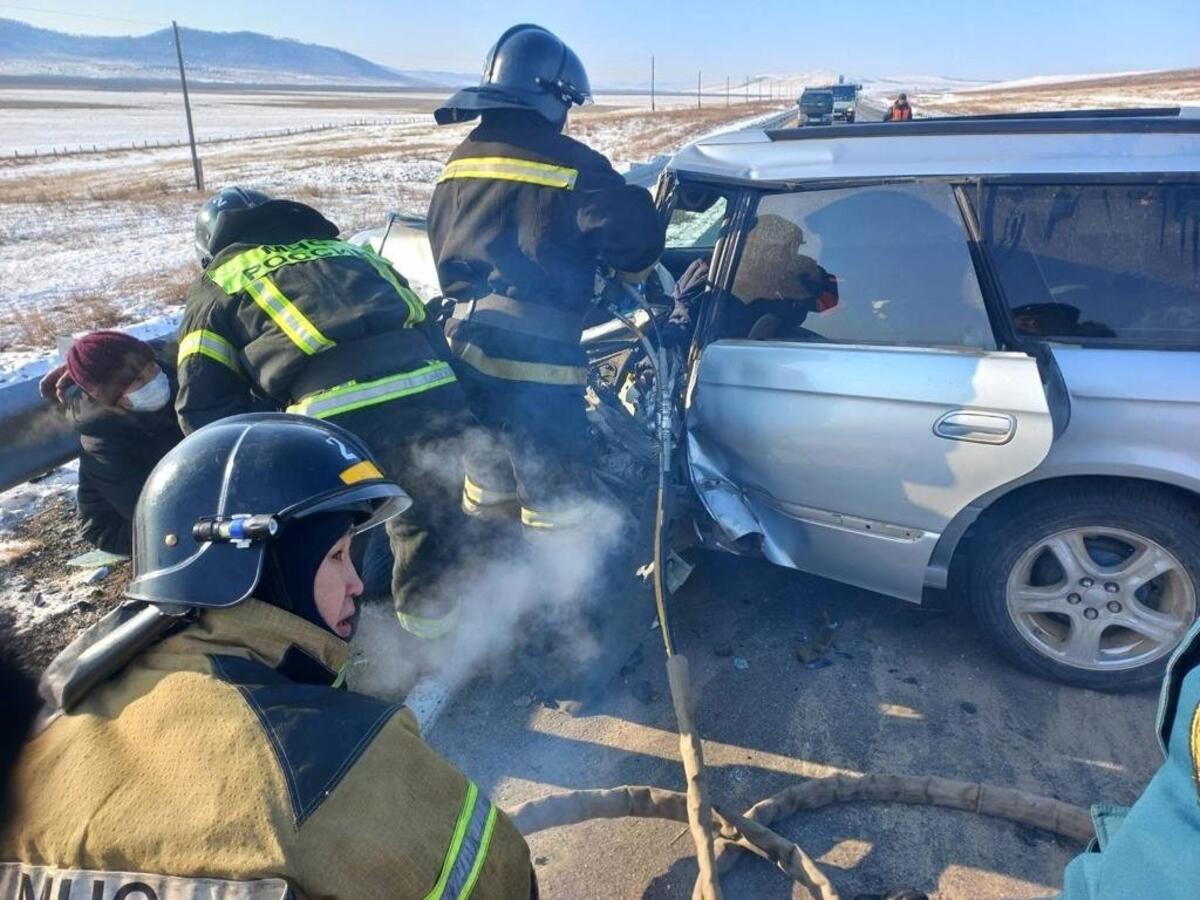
240,56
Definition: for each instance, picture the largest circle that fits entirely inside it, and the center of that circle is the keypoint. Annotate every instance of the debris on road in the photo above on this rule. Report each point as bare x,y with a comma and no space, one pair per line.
741,663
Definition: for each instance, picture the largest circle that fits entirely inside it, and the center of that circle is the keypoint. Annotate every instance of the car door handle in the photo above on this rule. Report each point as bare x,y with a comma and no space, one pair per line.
979,427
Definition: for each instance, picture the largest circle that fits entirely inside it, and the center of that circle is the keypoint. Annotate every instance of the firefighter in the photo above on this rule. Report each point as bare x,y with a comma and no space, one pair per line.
222,746
520,220
117,391
320,327
899,111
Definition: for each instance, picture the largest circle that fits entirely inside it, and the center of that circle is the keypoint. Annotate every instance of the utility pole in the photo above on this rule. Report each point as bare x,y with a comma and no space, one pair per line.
697,89
747,88
651,84
187,108
726,90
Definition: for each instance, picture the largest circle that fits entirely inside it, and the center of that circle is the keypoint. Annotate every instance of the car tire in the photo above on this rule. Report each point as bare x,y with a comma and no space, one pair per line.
1054,583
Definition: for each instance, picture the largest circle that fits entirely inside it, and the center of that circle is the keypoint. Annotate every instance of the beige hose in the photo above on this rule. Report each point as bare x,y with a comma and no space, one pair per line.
752,832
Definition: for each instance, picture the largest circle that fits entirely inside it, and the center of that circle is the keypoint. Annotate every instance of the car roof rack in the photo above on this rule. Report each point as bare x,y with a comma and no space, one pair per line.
1069,121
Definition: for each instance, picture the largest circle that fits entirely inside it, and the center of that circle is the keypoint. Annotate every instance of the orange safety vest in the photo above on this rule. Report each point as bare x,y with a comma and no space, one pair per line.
900,113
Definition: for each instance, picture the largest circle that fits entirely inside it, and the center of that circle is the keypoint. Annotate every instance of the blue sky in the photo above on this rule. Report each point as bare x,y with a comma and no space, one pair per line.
964,38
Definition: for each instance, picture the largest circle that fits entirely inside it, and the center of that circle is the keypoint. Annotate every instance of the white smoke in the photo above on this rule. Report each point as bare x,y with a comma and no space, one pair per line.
517,591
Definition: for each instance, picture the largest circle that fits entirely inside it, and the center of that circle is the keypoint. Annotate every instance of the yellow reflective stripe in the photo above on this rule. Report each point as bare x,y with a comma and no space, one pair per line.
552,519
428,628
480,854
340,681
238,273
515,370
506,168
485,496
356,395
456,842
416,309
208,343
250,265
291,321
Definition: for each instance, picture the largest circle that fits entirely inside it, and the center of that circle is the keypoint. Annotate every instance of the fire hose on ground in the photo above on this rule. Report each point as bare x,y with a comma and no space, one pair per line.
720,836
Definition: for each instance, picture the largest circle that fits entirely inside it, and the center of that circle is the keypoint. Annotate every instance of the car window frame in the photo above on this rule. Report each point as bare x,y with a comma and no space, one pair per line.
1034,344
738,231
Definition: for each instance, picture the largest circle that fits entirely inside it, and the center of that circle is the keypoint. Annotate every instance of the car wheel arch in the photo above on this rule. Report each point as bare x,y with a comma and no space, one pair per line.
949,563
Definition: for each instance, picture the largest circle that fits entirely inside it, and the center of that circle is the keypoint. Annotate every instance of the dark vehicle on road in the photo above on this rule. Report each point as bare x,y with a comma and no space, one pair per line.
816,106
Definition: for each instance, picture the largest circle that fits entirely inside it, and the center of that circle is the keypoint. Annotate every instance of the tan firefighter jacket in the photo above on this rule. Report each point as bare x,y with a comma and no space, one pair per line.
223,752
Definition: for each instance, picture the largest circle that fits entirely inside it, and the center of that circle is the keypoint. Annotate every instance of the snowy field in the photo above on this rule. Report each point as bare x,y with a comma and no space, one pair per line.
42,120
98,239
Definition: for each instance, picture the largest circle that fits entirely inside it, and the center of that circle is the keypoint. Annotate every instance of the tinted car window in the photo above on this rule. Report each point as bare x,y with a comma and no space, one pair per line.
871,265
1108,263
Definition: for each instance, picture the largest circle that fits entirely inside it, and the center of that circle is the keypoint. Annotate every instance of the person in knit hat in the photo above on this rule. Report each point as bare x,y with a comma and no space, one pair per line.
118,392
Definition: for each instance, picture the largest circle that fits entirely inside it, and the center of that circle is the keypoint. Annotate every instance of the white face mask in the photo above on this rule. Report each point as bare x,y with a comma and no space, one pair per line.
152,395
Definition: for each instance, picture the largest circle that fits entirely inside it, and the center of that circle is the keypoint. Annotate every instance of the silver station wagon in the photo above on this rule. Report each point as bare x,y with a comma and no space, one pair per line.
959,359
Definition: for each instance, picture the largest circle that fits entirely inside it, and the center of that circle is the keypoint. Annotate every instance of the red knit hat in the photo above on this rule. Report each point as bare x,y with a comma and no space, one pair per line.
105,363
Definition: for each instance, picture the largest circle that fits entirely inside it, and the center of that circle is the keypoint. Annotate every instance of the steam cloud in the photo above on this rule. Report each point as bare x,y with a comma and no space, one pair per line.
514,590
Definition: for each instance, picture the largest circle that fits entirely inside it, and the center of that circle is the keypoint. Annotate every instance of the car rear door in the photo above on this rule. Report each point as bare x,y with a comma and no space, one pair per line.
850,398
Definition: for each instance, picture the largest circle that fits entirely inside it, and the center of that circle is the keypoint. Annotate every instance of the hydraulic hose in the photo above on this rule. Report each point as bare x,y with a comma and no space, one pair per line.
751,831
691,749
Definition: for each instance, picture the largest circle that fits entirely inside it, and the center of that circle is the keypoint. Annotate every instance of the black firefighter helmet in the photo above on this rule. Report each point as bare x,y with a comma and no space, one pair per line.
528,68
212,504
209,241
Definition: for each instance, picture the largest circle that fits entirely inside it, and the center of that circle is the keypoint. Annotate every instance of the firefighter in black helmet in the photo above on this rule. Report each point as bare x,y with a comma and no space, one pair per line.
520,220
220,754
287,313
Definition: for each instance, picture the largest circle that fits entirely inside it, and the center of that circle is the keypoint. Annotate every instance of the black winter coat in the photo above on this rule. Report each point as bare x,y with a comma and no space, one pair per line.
119,447
525,212
288,310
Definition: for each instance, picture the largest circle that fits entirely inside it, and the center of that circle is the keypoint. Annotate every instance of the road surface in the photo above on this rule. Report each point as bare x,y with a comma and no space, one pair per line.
905,690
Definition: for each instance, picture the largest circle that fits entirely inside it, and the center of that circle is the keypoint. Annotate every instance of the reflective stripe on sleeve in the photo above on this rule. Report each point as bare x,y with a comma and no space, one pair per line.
468,848
291,321
516,370
355,395
429,628
506,168
203,342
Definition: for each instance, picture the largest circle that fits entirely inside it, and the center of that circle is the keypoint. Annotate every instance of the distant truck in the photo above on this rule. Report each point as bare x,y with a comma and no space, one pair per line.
816,106
845,100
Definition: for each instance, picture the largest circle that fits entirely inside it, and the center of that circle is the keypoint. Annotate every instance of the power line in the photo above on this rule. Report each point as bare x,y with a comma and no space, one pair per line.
78,15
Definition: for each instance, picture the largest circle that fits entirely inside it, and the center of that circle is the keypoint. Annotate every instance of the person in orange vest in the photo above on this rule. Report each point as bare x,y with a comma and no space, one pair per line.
899,111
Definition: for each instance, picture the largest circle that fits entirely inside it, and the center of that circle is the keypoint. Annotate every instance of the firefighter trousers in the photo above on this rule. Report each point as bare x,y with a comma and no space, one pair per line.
418,441
536,460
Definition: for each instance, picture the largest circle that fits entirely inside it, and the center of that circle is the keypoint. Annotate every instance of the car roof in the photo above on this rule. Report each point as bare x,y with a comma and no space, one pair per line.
1084,142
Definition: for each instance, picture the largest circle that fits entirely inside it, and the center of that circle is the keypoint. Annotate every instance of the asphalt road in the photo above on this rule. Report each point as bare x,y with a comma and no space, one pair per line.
905,691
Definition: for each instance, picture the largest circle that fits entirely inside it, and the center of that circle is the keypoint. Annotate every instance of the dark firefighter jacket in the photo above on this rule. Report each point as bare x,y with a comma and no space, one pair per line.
118,448
223,752
521,218
291,317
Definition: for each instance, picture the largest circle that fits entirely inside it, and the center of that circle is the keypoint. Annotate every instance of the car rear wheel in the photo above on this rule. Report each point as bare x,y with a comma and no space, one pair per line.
1091,587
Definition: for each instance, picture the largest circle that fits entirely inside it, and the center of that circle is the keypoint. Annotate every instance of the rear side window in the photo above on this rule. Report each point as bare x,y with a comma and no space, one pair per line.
884,264
1108,263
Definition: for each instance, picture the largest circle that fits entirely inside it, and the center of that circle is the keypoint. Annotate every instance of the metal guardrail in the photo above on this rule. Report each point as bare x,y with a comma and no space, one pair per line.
38,436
